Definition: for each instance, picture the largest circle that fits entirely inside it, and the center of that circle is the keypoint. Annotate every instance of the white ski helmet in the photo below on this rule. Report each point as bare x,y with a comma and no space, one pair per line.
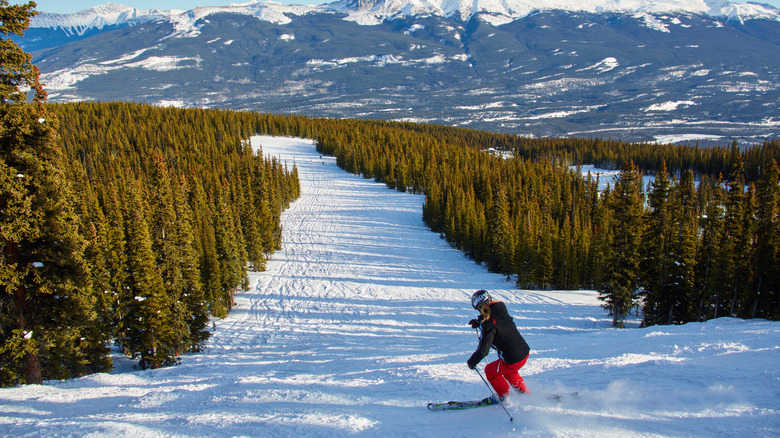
480,298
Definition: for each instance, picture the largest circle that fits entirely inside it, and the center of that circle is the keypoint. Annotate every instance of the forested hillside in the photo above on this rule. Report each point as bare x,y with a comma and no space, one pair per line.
172,208
683,252
175,208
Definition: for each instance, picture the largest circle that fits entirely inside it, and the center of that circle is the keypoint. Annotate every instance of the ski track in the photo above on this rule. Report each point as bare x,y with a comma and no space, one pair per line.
361,320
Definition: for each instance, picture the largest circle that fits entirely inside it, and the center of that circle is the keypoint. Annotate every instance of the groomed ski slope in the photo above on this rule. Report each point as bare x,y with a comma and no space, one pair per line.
361,320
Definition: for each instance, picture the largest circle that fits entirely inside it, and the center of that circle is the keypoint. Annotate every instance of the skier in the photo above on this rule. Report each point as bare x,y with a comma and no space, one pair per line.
500,332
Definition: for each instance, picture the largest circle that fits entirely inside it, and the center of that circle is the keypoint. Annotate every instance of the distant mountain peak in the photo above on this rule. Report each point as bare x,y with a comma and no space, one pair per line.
98,17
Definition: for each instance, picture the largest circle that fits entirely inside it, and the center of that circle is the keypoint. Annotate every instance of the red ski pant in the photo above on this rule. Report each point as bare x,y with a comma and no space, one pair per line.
501,374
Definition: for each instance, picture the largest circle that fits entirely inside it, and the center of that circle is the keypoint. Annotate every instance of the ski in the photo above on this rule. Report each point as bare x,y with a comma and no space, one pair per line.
455,405
488,401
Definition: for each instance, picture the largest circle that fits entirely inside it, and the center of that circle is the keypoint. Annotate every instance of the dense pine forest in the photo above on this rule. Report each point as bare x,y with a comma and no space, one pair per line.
169,210
175,207
680,251
131,225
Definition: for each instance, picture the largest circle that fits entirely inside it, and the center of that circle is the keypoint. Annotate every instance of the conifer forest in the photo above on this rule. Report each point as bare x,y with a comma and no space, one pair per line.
131,226
678,250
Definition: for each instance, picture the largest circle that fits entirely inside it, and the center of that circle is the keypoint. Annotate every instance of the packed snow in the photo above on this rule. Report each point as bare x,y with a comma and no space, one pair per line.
66,78
681,138
603,66
361,320
669,106
606,177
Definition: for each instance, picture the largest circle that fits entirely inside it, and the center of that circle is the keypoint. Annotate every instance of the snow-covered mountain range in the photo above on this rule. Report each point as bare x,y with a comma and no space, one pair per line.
638,70
503,11
375,11
98,17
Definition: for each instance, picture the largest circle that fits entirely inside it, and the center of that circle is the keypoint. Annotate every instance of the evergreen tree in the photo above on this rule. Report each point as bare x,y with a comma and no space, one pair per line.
682,252
525,257
250,220
192,297
169,247
709,253
729,258
100,330
621,279
655,258
602,241
228,247
148,325
208,257
543,275
766,290
115,261
742,304
500,235
45,297
432,208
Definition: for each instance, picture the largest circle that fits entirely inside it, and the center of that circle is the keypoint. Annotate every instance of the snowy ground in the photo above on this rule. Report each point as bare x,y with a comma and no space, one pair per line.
361,320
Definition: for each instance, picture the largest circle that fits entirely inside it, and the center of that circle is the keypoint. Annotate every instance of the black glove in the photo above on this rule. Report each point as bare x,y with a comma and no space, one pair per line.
473,361
474,323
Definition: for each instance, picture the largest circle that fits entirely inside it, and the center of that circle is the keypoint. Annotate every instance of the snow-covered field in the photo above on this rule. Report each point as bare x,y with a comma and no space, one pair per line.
362,319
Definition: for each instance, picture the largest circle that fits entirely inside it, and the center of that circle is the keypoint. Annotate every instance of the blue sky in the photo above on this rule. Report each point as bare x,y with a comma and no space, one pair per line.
62,6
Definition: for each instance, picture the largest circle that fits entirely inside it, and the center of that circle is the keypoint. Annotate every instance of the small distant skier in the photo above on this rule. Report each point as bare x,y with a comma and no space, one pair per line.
500,332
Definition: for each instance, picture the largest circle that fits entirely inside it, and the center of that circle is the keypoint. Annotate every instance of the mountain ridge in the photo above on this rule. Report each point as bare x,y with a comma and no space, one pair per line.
632,76
368,12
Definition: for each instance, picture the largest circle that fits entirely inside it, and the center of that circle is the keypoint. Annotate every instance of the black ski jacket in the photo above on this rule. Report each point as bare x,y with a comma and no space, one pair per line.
500,332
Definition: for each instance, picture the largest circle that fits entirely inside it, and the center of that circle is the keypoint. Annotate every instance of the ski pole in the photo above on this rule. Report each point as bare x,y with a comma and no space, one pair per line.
494,394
